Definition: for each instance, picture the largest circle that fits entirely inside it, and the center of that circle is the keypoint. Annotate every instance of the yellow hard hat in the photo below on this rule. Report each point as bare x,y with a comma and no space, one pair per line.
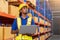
21,6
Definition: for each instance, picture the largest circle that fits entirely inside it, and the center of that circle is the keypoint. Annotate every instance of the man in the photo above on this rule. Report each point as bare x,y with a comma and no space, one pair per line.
23,19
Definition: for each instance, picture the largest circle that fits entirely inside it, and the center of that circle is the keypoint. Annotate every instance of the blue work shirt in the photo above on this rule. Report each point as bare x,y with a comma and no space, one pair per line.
24,22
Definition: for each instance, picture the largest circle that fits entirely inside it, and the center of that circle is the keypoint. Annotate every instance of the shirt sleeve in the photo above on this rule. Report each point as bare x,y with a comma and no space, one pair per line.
32,23
14,25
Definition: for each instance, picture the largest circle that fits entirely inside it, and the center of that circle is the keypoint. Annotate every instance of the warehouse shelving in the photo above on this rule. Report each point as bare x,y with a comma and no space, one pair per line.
40,33
6,18
39,14
17,3
14,3
2,14
10,18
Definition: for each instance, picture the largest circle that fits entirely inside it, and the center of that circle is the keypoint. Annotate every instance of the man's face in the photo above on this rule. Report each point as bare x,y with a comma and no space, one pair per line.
24,10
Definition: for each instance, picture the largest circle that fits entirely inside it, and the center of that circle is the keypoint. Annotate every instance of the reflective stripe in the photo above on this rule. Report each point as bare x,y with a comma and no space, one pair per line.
19,22
29,21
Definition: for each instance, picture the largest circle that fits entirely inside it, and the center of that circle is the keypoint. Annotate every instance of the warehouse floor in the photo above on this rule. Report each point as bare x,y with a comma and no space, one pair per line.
55,37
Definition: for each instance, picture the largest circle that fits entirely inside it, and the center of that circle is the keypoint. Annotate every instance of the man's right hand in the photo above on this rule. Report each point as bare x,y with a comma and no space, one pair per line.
14,31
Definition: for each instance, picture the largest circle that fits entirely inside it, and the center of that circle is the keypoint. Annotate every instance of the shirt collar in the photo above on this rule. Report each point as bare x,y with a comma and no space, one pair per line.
23,18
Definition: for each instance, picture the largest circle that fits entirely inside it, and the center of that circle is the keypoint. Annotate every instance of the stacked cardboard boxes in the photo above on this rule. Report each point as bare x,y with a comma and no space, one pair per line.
46,23
49,24
4,6
36,33
41,21
35,19
35,38
46,36
29,14
7,33
45,30
42,37
41,29
13,10
1,33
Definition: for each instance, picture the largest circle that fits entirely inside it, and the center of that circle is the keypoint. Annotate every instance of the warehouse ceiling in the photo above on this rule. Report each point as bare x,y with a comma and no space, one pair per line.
55,7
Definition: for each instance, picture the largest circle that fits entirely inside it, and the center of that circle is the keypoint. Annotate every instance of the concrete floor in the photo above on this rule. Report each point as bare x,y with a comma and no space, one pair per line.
55,37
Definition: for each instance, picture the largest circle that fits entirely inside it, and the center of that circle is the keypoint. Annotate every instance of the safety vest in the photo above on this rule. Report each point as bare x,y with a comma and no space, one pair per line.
20,36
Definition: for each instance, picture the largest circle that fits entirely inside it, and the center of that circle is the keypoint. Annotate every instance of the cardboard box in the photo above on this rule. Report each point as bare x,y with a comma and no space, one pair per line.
42,37
49,29
49,34
7,33
49,24
46,36
33,2
1,33
35,38
29,14
45,30
13,10
41,29
41,21
12,0
46,23
4,6
35,19
36,32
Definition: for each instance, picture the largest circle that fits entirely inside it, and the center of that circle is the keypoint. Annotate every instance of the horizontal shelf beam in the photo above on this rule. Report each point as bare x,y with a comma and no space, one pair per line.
2,14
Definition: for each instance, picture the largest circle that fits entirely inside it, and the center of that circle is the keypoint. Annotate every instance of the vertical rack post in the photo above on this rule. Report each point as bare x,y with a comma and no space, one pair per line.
44,15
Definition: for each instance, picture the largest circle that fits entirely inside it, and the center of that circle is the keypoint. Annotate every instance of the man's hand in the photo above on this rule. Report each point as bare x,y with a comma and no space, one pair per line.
14,31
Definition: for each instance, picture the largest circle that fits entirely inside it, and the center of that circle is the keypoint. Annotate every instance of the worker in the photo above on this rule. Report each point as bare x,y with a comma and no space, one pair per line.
23,19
